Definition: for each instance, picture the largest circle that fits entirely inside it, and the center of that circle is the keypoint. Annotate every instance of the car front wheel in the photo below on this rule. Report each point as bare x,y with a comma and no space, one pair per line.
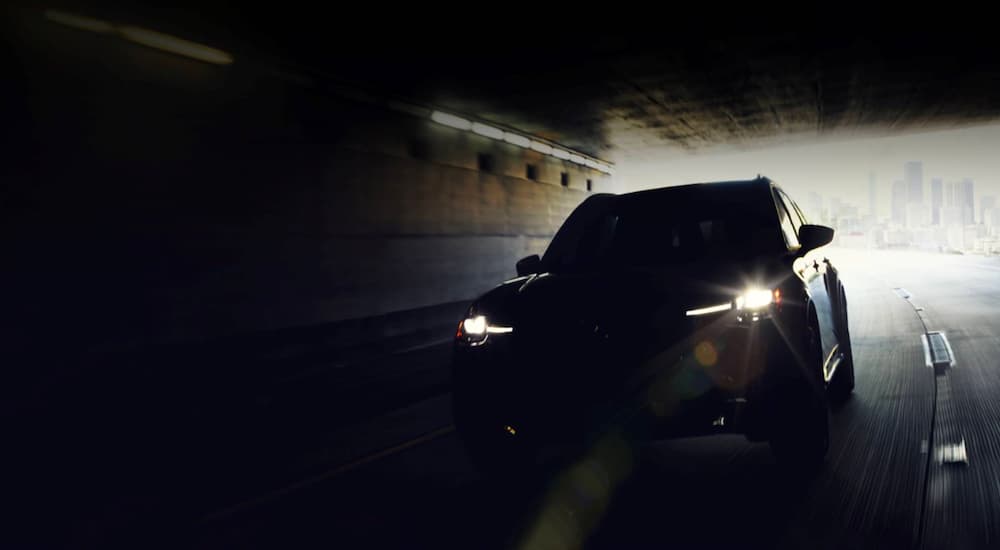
842,383
800,430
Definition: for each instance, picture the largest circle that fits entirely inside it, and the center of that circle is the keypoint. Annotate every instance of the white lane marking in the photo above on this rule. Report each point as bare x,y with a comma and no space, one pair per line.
330,474
953,453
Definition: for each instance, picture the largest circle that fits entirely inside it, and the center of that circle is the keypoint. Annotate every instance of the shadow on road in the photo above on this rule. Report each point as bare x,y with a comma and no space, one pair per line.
698,493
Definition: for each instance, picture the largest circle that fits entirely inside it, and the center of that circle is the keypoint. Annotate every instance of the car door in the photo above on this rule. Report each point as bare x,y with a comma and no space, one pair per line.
813,269
833,284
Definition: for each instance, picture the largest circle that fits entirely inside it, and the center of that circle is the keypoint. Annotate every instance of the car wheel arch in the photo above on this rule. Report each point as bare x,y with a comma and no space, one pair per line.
812,323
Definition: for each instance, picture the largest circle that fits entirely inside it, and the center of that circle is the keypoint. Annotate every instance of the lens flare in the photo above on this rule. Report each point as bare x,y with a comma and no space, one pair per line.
705,354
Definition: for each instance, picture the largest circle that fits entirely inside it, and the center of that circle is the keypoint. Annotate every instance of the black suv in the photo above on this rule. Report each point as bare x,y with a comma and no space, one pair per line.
680,311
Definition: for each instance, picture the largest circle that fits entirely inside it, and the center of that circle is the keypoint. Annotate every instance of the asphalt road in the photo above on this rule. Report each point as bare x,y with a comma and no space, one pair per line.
891,480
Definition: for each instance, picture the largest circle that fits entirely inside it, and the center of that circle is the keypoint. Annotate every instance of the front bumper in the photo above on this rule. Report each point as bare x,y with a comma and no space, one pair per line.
712,381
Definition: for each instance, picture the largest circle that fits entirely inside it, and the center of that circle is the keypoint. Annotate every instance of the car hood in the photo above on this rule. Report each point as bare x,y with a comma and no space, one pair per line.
638,309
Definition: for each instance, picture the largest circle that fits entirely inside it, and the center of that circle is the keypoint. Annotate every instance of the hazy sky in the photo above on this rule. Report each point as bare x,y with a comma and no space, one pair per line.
837,168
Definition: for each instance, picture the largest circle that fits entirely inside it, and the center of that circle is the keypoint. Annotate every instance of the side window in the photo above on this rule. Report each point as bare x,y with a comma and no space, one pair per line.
793,211
789,230
805,220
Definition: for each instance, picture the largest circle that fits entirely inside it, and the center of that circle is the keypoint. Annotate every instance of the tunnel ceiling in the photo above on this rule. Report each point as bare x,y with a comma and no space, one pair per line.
638,85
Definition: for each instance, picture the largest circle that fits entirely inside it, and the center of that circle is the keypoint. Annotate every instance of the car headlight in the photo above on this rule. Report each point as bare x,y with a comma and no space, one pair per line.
753,300
475,330
755,304
756,298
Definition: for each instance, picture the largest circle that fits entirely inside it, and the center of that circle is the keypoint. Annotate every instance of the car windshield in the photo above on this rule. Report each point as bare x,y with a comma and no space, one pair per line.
667,228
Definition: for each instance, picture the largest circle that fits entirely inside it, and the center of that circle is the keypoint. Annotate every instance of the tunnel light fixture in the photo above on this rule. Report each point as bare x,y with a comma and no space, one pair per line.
145,37
451,120
487,130
79,21
172,44
516,139
543,148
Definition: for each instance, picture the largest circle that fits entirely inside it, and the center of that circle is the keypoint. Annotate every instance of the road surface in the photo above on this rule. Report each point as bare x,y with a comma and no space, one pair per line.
895,477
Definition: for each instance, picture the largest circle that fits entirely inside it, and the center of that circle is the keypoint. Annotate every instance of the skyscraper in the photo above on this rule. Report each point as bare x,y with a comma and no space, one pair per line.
965,198
814,207
898,202
985,203
913,175
872,206
937,200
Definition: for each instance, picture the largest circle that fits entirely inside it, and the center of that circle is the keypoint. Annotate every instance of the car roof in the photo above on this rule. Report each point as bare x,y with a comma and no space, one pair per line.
759,182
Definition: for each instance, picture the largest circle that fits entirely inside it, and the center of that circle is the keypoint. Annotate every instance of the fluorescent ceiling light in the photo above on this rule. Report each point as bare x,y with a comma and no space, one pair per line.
486,130
79,21
451,120
515,139
577,159
560,154
175,45
543,148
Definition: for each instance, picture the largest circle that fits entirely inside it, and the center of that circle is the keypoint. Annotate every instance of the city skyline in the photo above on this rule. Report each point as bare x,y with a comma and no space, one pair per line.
843,167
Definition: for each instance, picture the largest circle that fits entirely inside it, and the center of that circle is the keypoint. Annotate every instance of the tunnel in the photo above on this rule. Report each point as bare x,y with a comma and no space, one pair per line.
238,242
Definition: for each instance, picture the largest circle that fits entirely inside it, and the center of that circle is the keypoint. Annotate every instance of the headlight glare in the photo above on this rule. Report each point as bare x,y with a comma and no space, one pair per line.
754,298
474,330
474,325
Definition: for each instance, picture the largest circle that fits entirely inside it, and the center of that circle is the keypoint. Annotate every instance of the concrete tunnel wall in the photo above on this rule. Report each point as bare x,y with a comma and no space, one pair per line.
160,199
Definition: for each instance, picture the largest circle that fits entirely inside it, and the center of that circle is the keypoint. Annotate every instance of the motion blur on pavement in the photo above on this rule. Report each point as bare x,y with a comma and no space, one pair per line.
238,242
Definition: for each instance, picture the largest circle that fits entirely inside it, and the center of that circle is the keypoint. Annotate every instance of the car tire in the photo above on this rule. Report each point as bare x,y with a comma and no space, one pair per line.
800,429
842,383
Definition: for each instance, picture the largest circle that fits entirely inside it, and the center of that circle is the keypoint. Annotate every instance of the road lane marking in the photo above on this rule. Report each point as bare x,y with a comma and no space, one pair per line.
954,453
330,474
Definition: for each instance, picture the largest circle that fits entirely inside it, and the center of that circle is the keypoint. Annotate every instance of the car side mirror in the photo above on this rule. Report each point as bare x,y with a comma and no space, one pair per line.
528,266
814,236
